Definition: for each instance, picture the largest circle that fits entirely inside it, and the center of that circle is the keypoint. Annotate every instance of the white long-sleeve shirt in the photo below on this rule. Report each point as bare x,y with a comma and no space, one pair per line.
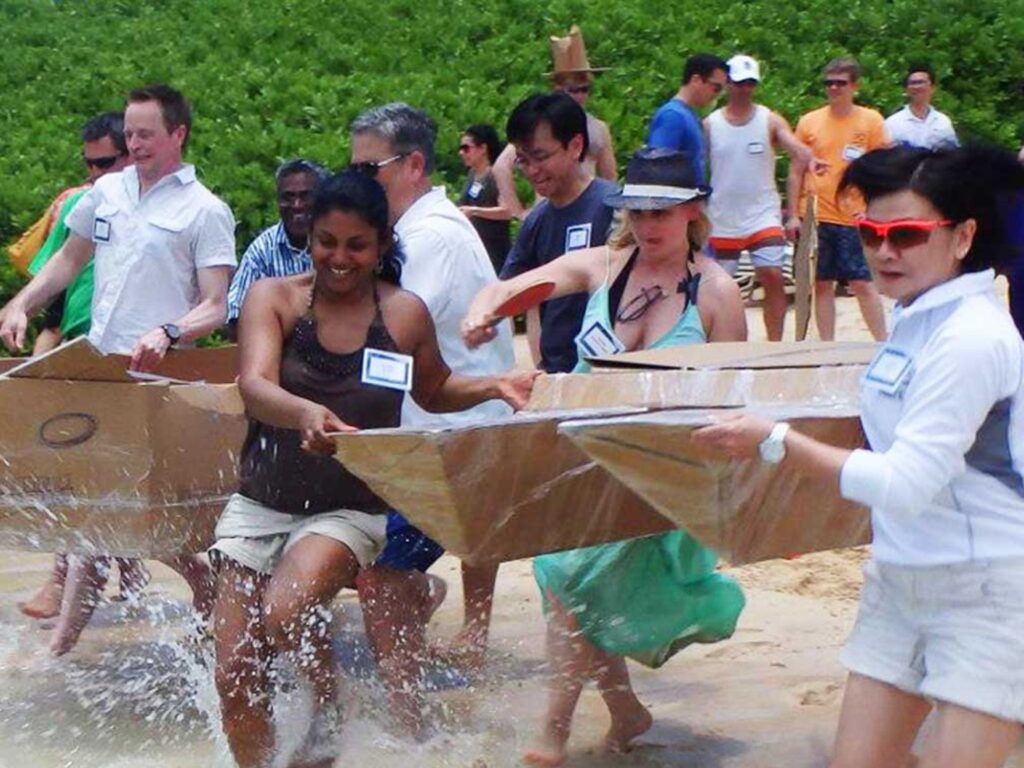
943,409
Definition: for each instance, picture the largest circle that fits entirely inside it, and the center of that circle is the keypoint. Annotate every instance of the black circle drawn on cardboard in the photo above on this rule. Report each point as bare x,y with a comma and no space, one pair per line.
66,430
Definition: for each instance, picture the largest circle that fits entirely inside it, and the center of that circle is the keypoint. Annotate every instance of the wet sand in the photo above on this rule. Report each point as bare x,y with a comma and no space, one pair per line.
132,694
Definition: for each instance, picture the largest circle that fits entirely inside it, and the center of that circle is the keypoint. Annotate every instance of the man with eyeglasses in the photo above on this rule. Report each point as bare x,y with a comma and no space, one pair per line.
283,249
838,133
676,124
918,123
744,207
446,265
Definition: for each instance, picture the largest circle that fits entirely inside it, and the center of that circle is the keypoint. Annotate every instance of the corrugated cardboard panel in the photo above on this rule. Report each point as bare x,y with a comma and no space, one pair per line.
743,354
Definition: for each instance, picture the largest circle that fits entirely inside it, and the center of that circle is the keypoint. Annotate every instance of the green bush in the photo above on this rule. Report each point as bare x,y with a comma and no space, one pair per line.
275,80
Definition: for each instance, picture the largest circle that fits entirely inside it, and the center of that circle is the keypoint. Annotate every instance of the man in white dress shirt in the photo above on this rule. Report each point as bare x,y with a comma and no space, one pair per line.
918,123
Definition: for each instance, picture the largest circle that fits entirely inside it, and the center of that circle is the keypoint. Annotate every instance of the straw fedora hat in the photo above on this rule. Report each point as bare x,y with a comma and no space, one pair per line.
569,55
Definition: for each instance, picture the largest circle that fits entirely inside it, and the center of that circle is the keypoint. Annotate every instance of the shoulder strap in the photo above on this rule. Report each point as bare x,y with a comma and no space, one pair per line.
618,288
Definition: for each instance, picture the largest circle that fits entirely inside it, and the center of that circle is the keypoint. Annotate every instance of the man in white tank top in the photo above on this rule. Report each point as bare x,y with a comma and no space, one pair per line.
745,208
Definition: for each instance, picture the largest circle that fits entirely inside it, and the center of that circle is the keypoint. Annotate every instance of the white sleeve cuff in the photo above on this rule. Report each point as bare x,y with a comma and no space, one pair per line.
865,478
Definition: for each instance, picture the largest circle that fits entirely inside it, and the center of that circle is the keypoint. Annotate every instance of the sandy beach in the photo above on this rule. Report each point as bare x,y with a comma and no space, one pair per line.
132,694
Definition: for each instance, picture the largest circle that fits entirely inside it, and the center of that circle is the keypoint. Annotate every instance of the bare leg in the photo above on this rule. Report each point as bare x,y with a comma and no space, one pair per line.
870,307
396,608
296,618
45,604
825,309
630,718
568,670
132,579
48,338
470,645
196,571
82,588
774,308
877,724
966,737
243,659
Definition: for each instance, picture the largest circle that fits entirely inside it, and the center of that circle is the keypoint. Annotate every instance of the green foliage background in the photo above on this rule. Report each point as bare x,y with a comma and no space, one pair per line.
284,78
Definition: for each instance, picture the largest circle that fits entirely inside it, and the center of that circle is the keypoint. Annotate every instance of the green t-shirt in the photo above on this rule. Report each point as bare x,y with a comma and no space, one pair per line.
78,295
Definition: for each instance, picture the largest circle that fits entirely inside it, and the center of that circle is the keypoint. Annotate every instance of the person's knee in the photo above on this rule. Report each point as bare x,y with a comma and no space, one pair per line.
771,278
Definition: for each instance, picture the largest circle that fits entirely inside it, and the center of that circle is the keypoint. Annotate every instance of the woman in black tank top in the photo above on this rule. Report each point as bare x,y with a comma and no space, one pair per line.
302,526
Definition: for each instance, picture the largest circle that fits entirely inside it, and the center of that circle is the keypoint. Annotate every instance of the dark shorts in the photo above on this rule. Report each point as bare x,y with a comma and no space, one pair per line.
407,547
55,312
840,254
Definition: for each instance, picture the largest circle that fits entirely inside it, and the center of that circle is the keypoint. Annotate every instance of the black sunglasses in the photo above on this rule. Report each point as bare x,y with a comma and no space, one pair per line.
465,147
371,168
103,163
829,83
578,89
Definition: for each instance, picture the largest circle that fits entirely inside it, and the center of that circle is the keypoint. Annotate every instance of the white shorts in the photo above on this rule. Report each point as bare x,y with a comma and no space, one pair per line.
952,633
257,536
768,256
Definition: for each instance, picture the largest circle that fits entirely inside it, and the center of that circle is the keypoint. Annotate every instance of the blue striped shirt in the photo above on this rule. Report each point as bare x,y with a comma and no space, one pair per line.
269,255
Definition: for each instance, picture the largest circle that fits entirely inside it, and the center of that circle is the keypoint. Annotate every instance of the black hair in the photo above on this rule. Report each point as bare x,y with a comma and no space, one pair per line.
354,192
560,111
300,165
106,124
702,65
979,182
486,135
919,66
173,106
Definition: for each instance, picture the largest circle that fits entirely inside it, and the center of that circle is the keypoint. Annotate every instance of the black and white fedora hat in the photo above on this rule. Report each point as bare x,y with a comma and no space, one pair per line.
658,178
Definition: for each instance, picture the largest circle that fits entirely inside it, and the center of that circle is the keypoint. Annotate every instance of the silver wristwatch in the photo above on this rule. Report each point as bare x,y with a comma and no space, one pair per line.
773,447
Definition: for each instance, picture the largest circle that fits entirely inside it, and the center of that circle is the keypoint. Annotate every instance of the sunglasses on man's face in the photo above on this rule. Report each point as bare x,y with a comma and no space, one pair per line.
905,233
465,147
830,83
103,163
372,167
577,89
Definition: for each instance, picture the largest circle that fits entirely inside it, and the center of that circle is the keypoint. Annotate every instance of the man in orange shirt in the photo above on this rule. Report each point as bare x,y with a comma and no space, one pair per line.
838,133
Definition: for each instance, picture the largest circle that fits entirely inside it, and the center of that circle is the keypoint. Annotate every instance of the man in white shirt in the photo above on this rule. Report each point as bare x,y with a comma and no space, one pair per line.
446,265
918,123
164,252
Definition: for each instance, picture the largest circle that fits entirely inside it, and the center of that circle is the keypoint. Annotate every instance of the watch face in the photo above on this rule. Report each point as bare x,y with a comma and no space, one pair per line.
172,332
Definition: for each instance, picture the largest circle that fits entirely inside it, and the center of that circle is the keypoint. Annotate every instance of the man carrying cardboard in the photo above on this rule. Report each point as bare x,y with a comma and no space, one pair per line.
571,74
283,249
446,264
838,133
164,250
676,124
744,208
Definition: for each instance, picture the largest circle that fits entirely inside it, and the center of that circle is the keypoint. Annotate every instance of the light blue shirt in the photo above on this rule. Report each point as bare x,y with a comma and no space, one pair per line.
677,126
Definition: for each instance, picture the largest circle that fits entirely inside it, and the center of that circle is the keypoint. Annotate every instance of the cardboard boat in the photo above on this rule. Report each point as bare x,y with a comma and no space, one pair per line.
93,459
744,510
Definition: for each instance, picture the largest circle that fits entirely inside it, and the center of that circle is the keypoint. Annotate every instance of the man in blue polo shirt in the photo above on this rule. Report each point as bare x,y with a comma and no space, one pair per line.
549,132
676,124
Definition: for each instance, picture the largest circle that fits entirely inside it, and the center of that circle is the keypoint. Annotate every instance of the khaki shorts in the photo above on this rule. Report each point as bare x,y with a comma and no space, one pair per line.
952,633
257,536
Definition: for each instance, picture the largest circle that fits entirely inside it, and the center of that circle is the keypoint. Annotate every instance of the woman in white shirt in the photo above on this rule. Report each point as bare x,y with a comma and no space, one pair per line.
941,618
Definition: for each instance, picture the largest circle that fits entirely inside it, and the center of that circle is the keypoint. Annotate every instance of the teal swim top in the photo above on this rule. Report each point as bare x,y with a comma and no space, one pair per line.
688,329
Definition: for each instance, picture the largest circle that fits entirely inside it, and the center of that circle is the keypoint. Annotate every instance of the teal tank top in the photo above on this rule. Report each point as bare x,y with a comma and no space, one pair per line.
688,329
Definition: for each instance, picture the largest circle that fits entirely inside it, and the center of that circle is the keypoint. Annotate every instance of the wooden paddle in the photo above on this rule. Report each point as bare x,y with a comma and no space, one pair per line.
523,300
803,268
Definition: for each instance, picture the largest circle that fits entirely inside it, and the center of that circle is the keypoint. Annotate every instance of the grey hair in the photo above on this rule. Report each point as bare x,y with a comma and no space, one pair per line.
405,128
299,165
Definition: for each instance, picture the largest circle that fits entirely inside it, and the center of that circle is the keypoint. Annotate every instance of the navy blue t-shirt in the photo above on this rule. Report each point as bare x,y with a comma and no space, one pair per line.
547,233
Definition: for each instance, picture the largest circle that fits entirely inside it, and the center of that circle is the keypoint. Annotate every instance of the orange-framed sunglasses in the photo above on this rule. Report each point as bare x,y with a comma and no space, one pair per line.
902,233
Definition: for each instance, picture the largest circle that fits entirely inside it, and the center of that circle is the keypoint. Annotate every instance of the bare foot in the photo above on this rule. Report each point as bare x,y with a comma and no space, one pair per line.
626,727
44,604
467,651
133,578
550,749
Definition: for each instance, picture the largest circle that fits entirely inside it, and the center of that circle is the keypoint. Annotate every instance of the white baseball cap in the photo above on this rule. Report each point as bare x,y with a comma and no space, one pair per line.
743,67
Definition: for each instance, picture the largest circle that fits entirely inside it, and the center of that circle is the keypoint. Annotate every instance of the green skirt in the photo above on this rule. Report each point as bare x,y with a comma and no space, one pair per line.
645,598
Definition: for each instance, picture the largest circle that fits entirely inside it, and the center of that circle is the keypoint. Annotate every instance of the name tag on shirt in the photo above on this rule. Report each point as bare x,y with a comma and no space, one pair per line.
597,340
851,152
755,148
387,369
890,371
577,236
101,230
475,188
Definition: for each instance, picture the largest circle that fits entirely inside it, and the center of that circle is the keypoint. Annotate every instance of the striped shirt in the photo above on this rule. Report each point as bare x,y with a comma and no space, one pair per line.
269,255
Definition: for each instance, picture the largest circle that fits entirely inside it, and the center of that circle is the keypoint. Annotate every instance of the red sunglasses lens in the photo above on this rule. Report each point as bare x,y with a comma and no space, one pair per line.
908,237
869,237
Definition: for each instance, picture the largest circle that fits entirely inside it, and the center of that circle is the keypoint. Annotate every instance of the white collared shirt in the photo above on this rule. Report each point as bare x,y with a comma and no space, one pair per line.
943,410
148,250
446,265
933,131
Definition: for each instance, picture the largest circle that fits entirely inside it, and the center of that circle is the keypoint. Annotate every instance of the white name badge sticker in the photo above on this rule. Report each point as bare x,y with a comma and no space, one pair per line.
852,152
475,189
597,340
755,148
101,231
387,369
890,371
577,236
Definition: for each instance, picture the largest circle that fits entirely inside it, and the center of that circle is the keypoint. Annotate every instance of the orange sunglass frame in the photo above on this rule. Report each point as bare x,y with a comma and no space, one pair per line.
902,233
